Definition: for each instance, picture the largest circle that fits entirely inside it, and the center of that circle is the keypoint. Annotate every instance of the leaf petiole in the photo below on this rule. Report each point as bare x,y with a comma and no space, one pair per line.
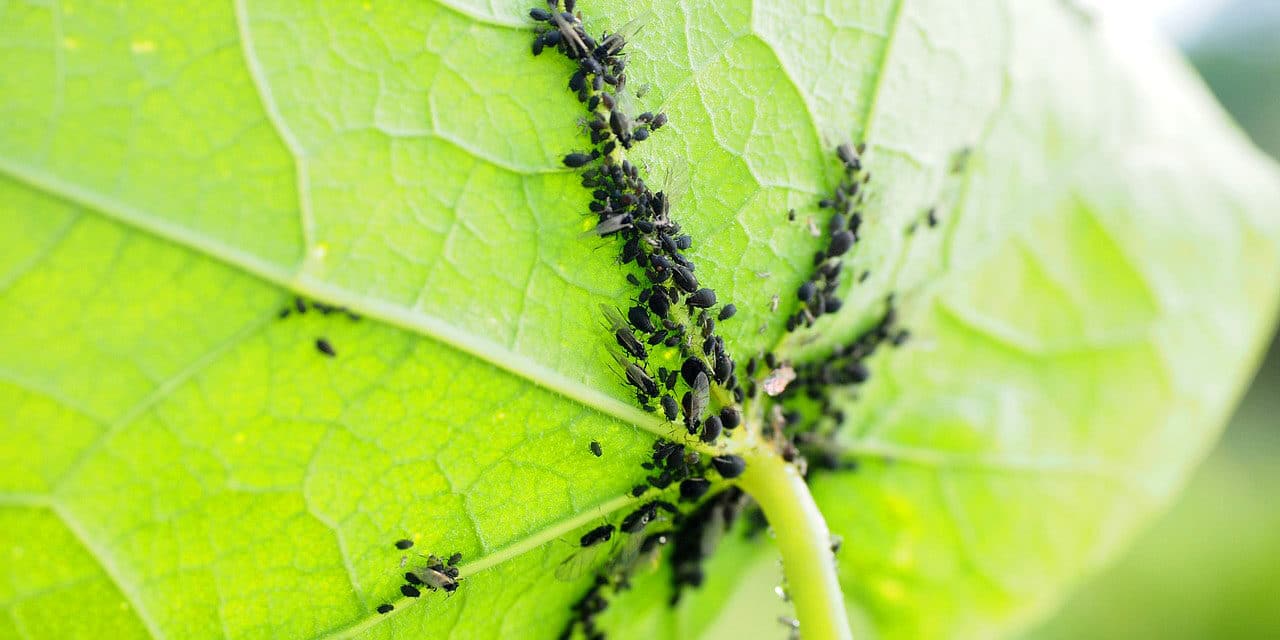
803,540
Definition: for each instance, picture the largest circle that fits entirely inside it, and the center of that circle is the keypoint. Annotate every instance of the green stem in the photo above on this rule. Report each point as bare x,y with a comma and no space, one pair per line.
804,542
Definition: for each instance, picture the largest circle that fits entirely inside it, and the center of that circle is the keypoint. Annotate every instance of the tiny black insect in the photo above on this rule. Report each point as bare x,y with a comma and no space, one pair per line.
597,535
711,429
693,365
729,466
386,608
576,159
410,591
324,347
730,417
455,559
658,303
595,449
669,408
640,319
727,312
840,243
404,544
805,292
639,490
848,157
684,278
628,342
702,298
694,488
640,380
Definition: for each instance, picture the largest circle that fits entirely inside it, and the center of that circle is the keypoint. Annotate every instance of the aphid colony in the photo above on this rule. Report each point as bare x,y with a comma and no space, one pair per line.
671,311
818,294
300,306
430,573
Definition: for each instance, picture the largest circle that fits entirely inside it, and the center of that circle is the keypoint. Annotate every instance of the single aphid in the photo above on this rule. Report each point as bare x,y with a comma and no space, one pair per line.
409,591
840,243
639,319
595,449
711,429
729,466
404,544
669,408
597,535
698,399
702,298
730,417
684,278
578,159
386,608
727,312
324,347
806,291
693,488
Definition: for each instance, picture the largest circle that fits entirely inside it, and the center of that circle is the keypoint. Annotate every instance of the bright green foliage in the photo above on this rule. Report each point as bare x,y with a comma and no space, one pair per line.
178,462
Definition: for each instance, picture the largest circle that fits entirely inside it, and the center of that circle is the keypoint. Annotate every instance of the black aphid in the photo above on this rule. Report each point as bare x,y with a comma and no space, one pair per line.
628,342
729,466
702,298
711,429
640,319
806,291
324,347
840,243
576,159
639,490
595,449
597,535
684,278
730,417
455,559
641,380
409,591
693,365
699,396
727,312
404,544
541,15
693,488
638,519
669,409
386,608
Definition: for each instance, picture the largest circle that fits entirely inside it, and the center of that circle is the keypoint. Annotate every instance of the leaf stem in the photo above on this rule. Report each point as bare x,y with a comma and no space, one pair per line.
804,542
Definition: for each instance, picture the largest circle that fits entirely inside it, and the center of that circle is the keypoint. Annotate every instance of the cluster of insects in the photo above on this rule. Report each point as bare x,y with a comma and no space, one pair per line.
429,573
818,294
672,312
301,306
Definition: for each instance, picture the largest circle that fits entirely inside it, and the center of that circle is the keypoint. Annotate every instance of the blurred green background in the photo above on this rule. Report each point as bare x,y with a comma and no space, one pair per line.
1210,567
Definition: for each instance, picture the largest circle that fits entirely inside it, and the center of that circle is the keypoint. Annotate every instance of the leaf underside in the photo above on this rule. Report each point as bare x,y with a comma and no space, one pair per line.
179,462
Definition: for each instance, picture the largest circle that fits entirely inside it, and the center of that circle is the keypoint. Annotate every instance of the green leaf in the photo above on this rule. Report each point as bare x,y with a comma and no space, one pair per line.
181,463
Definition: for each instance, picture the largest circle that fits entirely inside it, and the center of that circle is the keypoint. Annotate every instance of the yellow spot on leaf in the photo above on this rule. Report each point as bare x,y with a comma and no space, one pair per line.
71,44
239,437
891,590
142,46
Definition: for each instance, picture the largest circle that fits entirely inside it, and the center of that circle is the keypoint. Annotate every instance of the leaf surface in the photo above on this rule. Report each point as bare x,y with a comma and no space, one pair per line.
182,463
